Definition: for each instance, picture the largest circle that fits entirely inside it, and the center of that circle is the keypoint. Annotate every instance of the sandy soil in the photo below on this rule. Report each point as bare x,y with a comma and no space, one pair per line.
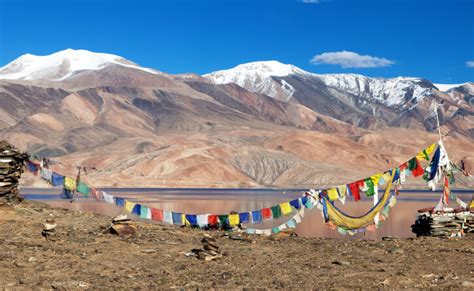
81,255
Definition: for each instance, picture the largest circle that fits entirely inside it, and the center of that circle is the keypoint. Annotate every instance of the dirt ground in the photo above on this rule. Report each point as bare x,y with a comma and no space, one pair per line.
82,256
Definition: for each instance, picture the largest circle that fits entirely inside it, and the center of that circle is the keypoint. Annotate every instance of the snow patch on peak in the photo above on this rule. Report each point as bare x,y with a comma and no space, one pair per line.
393,91
447,87
62,65
253,73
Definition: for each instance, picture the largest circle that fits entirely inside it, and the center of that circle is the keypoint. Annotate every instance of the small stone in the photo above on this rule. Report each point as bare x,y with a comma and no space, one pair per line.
398,251
341,263
32,259
467,284
49,226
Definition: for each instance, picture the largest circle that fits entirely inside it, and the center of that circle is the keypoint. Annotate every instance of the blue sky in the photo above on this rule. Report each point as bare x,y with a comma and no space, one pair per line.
430,39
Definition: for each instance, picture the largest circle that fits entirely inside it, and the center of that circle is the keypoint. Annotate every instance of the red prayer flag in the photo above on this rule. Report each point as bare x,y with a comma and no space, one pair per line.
212,219
156,214
418,171
267,213
403,166
354,188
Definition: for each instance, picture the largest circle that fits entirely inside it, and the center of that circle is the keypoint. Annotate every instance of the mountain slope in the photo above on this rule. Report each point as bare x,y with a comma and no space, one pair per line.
145,128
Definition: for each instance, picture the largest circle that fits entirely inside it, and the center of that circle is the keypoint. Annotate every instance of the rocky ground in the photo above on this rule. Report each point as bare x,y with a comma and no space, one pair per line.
79,253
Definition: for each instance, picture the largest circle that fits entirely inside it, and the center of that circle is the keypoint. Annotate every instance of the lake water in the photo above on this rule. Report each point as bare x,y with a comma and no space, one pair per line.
222,201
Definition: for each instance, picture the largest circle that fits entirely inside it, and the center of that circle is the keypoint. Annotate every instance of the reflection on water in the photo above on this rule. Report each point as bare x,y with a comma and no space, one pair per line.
222,201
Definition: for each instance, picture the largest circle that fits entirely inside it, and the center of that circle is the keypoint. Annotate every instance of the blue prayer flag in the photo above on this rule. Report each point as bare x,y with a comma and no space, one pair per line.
177,218
304,200
244,217
295,203
192,219
137,209
256,216
119,201
57,179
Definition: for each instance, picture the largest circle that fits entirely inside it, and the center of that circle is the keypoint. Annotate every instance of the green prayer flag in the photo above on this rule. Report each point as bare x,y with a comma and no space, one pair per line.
412,164
83,188
342,230
276,211
276,230
370,187
223,219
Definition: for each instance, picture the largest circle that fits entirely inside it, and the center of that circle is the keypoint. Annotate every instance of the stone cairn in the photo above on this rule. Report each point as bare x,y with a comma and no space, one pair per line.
448,223
11,167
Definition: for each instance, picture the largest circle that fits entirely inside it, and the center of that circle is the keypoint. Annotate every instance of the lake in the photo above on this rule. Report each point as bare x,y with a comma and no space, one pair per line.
222,201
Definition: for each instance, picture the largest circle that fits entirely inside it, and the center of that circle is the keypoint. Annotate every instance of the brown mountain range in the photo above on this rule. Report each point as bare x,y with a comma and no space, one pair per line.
145,128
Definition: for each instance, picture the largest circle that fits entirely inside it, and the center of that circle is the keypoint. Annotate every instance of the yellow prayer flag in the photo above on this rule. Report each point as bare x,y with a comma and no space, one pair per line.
129,206
233,219
70,183
342,190
285,208
375,179
332,194
430,149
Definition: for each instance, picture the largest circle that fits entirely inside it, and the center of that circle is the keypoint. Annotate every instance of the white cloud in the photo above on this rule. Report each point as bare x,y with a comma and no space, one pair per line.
350,60
470,64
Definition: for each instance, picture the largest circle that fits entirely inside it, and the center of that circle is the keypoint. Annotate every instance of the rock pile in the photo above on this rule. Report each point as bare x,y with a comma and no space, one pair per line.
11,167
211,250
49,229
122,225
450,222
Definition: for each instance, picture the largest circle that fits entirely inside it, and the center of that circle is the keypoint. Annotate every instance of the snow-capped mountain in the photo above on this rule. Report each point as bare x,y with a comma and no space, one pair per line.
62,65
272,78
447,87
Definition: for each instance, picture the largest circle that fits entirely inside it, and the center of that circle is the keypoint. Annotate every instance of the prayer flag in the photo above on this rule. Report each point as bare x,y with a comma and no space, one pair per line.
145,212
202,220
119,201
285,208
32,167
304,199
129,206
213,220
223,220
276,230
83,188
266,213
342,230
250,230
177,218
168,217
297,218
370,187
256,216
244,217
354,188
276,211
57,180
192,219
46,174
234,219
332,194
156,214
267,232
295,203
341,190
291,223
108,198
137,208
70,183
